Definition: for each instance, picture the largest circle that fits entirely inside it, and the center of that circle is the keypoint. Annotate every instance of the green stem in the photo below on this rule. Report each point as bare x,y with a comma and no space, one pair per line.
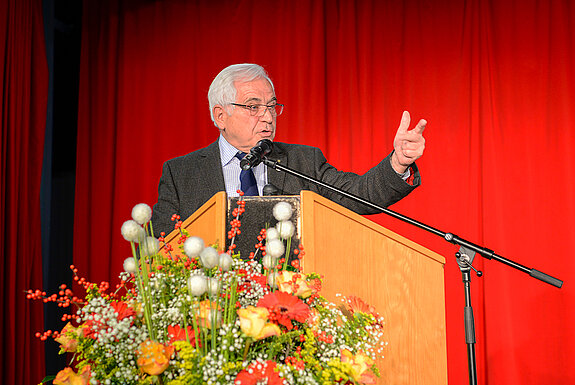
151,229
184,312
147,311
196,331
288,248
232,300
246,349
205,334
214,318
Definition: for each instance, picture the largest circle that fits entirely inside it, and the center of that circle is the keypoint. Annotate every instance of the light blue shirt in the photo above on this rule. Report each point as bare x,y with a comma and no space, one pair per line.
231,169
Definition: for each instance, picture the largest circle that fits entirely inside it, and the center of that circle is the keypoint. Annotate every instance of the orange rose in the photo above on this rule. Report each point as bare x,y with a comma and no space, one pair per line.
290,283
68,338
153,357
360,365
253,322
67,376
209,311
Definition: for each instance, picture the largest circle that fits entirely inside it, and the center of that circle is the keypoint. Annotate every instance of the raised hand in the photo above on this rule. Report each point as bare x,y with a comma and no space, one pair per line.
408,144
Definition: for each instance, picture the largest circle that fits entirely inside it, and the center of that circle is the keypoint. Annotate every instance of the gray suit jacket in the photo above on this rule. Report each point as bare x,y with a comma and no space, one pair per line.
188,181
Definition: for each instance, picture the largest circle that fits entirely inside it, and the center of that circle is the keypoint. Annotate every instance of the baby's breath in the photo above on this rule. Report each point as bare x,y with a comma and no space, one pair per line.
173,319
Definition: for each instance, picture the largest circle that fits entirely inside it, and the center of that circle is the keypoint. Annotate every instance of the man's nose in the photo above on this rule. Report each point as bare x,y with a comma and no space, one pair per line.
267,116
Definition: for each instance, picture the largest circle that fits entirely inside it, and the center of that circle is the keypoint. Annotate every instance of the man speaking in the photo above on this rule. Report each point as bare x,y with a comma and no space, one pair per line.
244,107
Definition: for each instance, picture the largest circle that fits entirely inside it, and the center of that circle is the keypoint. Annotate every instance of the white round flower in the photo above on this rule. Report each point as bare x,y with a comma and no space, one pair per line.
282,211
142,213
272,233
197,285
268,261
275,248
209,257
132,231
193,246
149,246
272,279
225,261
213,286
285,228
130,265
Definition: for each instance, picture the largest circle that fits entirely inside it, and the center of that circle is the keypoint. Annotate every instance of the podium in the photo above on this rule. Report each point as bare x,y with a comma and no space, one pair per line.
401,279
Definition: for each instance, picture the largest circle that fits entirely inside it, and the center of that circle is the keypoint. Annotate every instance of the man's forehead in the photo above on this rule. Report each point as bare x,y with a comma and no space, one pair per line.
254,90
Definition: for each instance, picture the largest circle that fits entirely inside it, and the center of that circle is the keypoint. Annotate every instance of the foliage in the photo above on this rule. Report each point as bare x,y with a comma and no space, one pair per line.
197,316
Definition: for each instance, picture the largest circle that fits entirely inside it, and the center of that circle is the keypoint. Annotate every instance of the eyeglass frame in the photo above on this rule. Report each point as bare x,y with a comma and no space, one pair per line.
271,108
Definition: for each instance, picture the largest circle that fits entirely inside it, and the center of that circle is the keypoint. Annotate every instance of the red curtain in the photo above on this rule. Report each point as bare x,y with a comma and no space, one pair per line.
24,85
493,78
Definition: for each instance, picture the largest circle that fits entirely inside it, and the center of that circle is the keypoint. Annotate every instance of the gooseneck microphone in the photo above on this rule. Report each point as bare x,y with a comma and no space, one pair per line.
257,153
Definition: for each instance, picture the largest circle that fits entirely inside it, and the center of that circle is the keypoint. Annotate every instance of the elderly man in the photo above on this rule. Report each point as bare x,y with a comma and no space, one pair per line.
244,107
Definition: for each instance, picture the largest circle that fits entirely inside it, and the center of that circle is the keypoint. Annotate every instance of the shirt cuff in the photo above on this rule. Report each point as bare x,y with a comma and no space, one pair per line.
408,176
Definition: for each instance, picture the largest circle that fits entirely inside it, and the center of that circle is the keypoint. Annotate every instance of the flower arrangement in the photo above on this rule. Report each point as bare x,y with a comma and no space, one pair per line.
198,316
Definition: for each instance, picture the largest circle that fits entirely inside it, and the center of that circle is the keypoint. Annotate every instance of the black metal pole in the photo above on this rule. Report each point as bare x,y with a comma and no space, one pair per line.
449,237
469,329
464,256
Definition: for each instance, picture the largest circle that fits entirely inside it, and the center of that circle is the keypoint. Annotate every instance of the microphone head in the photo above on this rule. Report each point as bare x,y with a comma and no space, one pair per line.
257,154
265,146
245,163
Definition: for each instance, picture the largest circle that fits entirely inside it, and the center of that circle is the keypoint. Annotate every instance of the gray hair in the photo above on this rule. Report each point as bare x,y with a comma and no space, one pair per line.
223,91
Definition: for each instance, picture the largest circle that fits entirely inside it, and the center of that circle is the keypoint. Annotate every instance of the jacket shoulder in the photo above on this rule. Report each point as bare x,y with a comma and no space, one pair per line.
287,148
194,156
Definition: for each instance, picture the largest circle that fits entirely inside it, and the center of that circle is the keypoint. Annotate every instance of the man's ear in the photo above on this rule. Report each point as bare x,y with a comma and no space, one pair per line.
220,115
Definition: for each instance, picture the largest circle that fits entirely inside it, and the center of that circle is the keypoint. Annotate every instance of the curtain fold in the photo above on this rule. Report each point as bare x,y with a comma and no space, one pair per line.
494,79
24,85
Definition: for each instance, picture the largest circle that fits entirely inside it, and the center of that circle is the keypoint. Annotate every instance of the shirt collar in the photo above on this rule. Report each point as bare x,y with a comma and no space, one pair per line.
227,151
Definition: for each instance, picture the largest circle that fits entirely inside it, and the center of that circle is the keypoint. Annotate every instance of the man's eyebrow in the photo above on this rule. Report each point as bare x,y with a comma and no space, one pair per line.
258,100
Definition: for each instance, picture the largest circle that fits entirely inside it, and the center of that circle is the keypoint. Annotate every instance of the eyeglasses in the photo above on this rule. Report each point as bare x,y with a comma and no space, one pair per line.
259,110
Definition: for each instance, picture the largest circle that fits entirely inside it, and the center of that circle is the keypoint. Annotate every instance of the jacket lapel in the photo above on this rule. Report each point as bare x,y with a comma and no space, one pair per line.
212,168
277,178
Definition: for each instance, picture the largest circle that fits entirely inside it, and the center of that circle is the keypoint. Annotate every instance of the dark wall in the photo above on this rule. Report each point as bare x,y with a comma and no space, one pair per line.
62,24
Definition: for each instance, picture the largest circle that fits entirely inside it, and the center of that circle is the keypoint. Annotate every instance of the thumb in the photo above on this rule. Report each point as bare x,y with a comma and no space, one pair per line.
418,129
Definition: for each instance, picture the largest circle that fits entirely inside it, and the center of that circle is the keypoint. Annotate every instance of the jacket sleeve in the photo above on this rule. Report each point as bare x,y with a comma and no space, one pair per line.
380,185
168,202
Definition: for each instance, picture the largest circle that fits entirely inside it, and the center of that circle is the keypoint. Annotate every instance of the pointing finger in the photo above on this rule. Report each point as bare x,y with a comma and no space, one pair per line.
405,121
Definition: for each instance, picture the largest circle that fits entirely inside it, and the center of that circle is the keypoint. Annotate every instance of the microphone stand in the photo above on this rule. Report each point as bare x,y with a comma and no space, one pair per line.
465,256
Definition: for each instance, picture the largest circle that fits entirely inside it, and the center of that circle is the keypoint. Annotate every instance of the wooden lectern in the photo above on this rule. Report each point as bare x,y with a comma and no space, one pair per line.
401,279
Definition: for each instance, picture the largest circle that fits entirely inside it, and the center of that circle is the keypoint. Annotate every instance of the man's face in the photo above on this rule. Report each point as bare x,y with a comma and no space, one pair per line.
241,129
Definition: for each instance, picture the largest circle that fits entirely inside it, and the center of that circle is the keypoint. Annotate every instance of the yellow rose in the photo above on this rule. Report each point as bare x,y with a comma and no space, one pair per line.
360,365
288,283
68,338
153,357
269,330
68,377
253,322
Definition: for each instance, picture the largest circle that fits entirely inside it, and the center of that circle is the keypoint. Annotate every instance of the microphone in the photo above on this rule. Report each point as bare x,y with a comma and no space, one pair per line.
257,153
271,190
